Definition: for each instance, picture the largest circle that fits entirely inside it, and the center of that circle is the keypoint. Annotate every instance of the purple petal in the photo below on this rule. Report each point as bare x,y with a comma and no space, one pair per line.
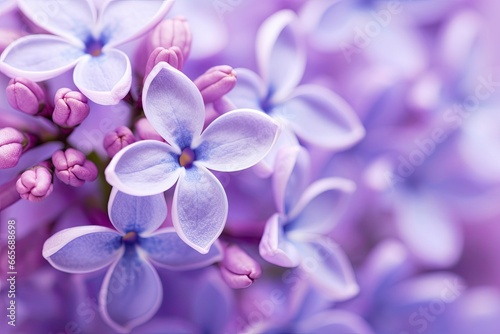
236,140
82,249
39,57
142,214
321,117
334,321
105,79
274,246
164,248
122,21
73,21
280,53
329,269
144,168
249,91
320,206
173,105
199,208
131,292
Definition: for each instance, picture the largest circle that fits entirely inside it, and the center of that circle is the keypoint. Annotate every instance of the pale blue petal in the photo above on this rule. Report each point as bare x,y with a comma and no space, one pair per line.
275,247
144,168
164,248
249,92
142,214
82,249
199,208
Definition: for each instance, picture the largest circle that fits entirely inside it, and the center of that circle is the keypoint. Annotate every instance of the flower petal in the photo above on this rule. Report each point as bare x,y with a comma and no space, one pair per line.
236,140
105,79
131,292
39,57
334,321
274,246
144,168
281,53
249,91
319,207
82,249
173,105
122,21
73,21
321,117
142,214
164,248
329,269
199,208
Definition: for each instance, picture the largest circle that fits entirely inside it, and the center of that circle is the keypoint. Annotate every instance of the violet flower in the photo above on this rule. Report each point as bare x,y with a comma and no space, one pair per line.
116,140
26,96
85,37
70,108
238,269
234,141
132,291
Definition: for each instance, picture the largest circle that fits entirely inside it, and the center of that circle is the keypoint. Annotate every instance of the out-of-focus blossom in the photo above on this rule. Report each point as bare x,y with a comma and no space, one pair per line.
116,140
70,108
235,141
145,130
85,37
238,269
26,96
132,290
73,168
35,184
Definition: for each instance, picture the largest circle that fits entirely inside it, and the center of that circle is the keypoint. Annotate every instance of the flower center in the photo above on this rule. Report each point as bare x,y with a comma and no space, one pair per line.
186,158
130,238
93,47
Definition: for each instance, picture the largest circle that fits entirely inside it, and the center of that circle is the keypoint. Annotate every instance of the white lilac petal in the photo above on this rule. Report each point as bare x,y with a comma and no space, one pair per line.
144,168
249,92
140,214
274,246
82,249
281,55
236,140
173,105
131,292
321,117
39,57
105,79
164,248
199,208
122,21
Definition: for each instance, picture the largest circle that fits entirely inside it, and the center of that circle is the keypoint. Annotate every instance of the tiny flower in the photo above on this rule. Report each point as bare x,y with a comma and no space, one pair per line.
234,141
116,140
12,144
173,56
131,292
70,108
26,96
238,269
35,184
73,168
172,32
145,130
216,82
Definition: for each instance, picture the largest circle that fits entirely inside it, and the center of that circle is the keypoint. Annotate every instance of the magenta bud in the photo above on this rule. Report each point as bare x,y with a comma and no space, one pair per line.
172,32
73,168
173,56
26,96
216,82
238,269
116,140
70,108
35,184
12,144
144,130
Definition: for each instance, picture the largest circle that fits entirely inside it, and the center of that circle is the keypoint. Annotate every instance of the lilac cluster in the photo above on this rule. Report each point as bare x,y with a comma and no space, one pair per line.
295,166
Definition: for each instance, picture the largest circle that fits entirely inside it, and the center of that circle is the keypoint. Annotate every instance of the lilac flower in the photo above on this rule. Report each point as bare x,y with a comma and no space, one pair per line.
295,235
35,184
70,108
234,141
313,113
131,292
84,36
238,269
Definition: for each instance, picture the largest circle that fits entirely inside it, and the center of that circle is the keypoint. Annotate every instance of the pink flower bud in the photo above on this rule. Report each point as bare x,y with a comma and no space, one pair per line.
238,269
11,147
70,108
145,130
73,168
26,96
216,82
116,140
35,184
172,32
173,56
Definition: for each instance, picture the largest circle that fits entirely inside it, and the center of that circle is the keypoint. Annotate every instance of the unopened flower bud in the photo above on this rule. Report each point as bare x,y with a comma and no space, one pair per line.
238,269
116,140
73,168
12,145
216,82
172,32
70,108
26,96
35,184
173,56
145,130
